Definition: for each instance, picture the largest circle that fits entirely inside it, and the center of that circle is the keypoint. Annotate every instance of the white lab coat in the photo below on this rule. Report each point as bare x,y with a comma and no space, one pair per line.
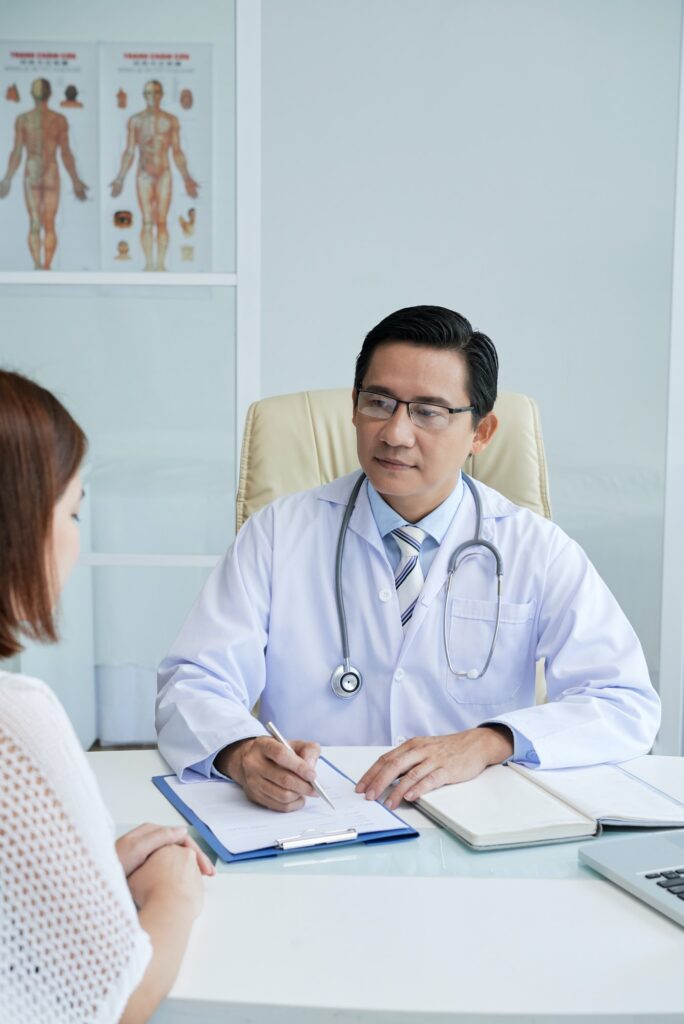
265,627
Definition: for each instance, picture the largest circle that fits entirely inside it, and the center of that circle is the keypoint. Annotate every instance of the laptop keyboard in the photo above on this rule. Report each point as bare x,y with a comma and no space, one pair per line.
670,879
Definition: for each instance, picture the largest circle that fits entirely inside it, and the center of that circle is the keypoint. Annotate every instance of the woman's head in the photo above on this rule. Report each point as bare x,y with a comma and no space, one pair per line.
41,450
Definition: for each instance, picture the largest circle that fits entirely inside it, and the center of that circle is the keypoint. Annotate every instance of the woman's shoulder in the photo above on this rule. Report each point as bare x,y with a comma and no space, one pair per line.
23,697
19,684
32,717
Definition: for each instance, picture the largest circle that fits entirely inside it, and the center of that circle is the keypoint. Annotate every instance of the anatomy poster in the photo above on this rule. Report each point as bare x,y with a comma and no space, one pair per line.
48,156
155,157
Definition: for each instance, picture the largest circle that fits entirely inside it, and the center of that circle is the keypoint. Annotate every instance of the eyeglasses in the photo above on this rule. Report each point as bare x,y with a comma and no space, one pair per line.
422,414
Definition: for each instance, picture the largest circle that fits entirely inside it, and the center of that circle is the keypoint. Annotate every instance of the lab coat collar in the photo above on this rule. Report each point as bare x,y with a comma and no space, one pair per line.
494,506
339,490
362,520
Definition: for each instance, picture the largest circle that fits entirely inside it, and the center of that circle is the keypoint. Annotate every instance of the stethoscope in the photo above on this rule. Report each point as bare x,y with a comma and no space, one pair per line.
346,680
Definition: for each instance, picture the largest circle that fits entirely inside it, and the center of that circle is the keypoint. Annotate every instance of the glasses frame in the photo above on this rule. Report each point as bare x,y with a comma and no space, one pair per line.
402,401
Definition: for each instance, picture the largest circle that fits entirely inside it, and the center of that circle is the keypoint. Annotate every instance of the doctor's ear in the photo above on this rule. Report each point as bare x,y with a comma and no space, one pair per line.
485,431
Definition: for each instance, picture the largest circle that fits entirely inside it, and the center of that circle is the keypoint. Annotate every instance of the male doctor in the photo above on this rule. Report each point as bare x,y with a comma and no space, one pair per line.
265,626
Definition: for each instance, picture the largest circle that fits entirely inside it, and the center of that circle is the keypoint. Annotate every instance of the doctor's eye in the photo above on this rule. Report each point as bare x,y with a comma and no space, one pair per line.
432,415
376,405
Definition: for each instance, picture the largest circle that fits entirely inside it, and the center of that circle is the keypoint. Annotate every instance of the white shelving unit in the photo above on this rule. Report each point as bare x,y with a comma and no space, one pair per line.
118,588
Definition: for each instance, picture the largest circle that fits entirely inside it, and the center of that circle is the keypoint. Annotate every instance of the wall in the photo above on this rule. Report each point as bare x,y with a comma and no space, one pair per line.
513,159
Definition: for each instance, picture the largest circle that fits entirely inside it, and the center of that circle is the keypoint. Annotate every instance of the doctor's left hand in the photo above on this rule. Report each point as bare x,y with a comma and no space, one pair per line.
428,762
136,846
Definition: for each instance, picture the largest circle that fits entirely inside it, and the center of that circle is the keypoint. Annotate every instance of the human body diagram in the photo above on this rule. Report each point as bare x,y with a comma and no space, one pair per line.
154,133
42,132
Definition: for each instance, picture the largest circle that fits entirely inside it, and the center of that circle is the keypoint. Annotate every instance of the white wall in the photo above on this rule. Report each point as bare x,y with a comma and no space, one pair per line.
513,159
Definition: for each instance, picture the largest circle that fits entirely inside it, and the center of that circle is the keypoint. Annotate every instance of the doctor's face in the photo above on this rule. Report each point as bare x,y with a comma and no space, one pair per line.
412,467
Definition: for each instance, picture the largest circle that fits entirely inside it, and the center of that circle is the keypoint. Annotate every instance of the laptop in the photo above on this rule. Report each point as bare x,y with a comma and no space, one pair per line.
649,866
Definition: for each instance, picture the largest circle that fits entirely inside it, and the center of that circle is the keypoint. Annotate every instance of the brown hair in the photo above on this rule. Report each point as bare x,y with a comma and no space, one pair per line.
41,448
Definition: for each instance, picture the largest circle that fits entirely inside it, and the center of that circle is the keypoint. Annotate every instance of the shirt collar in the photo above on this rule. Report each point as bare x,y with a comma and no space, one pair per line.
436,523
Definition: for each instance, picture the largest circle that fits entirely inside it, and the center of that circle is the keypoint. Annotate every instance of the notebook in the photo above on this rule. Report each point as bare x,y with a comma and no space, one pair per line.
509,805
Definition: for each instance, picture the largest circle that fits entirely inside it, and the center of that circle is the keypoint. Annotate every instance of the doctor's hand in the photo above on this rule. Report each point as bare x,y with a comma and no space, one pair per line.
269,773
134,848
428,762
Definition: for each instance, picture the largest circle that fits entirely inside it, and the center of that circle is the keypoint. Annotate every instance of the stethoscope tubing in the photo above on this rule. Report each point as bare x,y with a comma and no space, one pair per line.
341,615
345,670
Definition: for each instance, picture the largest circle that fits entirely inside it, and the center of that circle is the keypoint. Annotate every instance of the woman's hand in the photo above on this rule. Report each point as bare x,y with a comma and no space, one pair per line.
169,879
136,846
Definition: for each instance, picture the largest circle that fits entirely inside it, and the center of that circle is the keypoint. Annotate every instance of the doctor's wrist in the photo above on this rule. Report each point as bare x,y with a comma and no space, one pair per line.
500,742
229,760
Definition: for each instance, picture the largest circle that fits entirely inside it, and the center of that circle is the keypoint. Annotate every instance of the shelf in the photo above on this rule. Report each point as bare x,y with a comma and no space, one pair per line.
154,280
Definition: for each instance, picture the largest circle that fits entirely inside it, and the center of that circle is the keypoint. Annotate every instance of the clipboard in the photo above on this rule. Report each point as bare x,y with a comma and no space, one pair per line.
288,842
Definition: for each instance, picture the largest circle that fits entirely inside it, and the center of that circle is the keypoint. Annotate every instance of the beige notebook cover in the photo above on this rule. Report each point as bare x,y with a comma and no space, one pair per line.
508,805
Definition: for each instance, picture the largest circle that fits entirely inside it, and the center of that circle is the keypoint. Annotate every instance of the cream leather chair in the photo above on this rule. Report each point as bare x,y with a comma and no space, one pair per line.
294,442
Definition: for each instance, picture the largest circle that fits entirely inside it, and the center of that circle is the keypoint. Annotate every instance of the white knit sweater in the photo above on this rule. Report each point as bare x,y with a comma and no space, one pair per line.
71,948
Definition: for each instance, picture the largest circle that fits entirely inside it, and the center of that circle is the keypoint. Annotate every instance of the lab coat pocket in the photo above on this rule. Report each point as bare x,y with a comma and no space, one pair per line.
470,629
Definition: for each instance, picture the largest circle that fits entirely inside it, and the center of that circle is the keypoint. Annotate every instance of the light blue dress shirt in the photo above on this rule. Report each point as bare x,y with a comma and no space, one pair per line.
435,525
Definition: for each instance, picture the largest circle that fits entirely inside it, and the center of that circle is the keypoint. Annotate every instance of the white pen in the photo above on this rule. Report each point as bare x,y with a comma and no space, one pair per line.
275,732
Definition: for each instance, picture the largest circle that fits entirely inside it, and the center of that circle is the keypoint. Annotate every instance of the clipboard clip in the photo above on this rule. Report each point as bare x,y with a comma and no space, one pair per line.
313,838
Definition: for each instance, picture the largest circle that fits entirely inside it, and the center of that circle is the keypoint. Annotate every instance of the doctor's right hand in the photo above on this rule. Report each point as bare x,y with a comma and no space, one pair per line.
269,773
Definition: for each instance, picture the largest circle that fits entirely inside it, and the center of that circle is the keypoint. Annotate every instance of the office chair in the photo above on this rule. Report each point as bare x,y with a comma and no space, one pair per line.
295,442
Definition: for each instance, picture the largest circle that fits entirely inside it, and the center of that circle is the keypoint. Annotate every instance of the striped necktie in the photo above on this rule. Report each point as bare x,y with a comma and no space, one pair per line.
409,577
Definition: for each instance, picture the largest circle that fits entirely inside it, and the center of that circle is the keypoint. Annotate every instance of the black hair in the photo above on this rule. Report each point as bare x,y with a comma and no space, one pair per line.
439,328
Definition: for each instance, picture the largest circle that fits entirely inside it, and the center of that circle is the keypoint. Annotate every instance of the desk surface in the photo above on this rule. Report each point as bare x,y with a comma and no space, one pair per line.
420,931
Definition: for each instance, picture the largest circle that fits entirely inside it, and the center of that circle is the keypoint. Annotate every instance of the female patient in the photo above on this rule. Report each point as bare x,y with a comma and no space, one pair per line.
72,946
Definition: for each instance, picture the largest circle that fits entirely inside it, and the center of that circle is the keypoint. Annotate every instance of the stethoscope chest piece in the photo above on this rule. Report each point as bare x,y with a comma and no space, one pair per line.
346,681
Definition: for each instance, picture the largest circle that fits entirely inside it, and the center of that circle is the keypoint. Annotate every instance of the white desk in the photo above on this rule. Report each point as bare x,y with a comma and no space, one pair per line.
421,931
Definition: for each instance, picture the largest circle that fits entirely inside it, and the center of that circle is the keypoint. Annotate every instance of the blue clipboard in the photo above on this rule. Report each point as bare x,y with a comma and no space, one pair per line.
292,844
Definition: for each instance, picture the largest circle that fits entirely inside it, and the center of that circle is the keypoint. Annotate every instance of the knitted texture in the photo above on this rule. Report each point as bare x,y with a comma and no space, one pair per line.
71,947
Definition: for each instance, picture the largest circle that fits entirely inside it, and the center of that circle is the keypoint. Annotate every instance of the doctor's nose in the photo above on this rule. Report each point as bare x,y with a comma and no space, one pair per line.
398,431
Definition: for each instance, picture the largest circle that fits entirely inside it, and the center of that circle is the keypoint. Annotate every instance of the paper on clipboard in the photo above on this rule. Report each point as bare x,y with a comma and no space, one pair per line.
242,826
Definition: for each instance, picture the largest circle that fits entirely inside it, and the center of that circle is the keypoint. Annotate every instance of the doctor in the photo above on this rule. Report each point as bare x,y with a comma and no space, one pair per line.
266,625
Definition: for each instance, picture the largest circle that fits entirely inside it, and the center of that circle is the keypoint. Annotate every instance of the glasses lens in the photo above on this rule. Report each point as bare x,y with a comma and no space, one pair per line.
380,407
429,417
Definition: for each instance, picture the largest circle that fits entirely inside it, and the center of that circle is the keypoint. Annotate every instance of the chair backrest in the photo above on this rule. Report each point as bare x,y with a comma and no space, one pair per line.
295,442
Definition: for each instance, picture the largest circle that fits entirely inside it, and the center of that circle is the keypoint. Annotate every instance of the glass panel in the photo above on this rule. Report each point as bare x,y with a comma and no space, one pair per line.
435,854
150,375
138,613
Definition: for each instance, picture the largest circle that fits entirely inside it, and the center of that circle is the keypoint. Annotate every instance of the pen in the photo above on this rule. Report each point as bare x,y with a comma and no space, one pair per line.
275,732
